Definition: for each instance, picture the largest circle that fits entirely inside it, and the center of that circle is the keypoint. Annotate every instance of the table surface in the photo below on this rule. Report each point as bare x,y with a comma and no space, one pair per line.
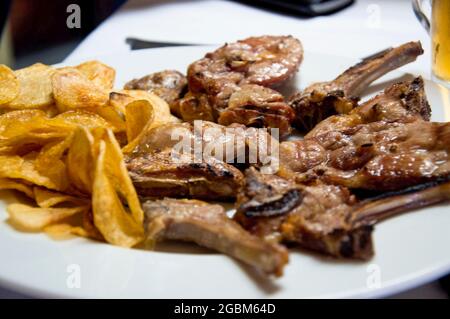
366,27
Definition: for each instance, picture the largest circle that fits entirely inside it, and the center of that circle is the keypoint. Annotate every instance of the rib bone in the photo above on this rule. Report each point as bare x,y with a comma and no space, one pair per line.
340,96
208,226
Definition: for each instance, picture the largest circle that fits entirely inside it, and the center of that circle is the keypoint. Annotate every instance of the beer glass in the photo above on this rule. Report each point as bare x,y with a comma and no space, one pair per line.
439,29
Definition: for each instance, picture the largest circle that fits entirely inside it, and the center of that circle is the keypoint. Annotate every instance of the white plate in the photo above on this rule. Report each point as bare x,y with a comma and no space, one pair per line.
410,249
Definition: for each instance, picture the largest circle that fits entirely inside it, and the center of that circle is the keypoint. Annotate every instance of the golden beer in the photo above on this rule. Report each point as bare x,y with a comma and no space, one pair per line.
440,36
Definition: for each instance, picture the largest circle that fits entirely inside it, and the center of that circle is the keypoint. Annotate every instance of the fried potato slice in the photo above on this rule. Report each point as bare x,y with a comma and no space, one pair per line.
6,183
81,160
138,114
88,225
13,118
87,229
72,90
115,118
120,100
160,107
65,231
116,225
31,218
35,87
50,162
23,168
118,174
100,74
46,198
28,130
9,85
84,118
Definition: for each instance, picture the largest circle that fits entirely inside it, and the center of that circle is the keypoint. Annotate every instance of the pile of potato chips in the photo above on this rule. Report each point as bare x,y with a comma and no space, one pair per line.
63,132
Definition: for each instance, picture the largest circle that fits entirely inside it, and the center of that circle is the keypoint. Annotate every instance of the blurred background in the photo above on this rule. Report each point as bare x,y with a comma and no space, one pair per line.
35,30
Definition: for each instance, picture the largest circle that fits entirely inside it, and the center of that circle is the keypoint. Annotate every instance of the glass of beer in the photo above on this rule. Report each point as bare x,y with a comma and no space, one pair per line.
439,29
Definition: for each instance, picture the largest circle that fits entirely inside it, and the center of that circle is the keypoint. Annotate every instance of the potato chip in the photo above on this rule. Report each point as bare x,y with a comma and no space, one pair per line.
35,87
50,110
98,73
26,135
23,168
6,183
116,225
89,227
84,118
49,162
13,118
60,148
72,90
160,107
121,178
46,198
9,85
138,114
120,100
65,231
81,161
115,118
31,218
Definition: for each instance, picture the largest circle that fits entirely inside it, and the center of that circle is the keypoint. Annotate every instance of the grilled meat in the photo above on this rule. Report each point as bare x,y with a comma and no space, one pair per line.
164,164
340,96
400,102
170,85
157,175
373,148
258,106
324,218
316,217
195,160
208,225
266,61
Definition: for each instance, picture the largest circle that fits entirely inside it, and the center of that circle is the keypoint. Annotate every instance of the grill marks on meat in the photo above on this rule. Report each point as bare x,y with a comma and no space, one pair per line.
267,196
208,225
384,144
319,219
160,167
170,85
156,175
328,219
265,61
192,160
341,95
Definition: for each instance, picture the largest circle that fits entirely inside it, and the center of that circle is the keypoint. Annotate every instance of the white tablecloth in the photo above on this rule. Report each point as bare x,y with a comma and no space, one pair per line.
364,28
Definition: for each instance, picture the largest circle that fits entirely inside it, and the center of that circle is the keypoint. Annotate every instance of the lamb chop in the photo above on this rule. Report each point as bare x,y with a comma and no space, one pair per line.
373,148
258,106
208,225
324,218
195,160
403,101
340,96
160,167
170,85
265,61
